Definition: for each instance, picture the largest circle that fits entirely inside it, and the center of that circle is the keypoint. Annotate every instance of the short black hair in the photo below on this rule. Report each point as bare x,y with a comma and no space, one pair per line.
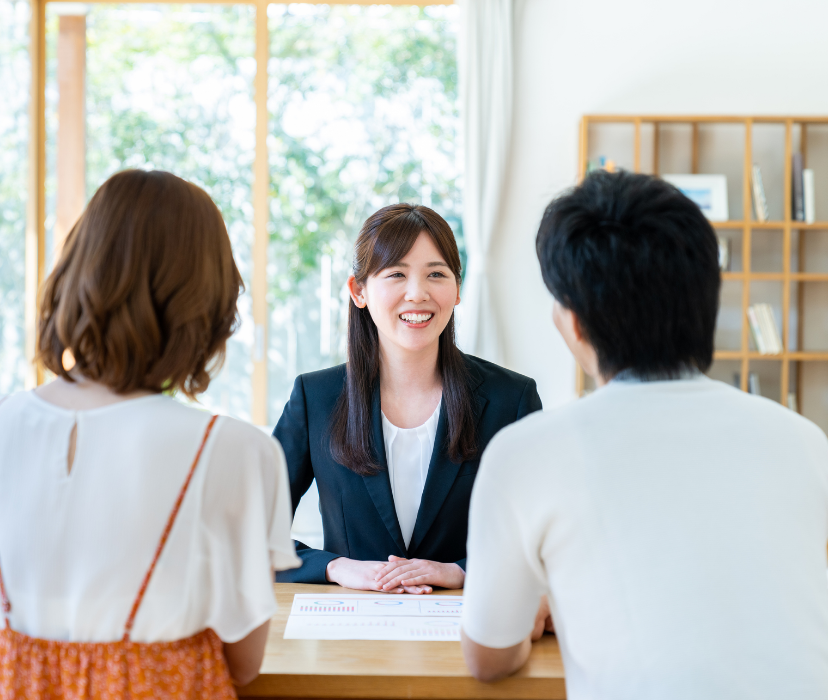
637,262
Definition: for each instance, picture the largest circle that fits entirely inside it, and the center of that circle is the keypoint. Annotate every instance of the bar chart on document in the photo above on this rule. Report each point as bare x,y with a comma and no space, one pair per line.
377,617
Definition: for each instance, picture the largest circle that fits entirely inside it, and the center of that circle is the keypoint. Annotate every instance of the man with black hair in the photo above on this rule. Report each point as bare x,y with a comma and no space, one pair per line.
677,525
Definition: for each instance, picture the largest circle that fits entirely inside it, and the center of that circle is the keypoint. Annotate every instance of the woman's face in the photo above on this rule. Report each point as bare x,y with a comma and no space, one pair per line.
410,302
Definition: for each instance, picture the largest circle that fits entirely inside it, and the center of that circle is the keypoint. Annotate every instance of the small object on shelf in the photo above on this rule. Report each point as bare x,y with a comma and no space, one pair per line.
809,195
602,163
797,194
792,402
709,192
724,253
756,331
775,341
763,329
760,203
753,382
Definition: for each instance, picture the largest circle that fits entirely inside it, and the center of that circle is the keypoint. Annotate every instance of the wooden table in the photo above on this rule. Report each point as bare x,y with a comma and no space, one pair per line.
303,668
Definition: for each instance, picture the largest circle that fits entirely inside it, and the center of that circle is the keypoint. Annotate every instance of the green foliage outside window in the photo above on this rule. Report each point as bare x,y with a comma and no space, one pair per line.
362,113
170,87
15,75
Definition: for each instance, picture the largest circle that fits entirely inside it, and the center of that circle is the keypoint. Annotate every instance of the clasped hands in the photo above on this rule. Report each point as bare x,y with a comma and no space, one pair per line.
397,575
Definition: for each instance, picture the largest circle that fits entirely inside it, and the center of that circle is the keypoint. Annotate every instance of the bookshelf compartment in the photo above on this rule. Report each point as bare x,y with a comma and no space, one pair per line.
733,238
809,382
813,316
612,142
767,250
769,155
675,153
766,292
721,151
809,250
768,375
794,339
729,320
706,148
815,157
726,371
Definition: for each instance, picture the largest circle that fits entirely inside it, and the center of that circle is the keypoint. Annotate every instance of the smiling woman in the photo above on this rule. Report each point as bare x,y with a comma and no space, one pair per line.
406,267
394,436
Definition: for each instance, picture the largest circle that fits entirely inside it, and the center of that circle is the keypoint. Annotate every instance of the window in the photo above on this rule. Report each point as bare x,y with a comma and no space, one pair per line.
15,72
170,87
361,111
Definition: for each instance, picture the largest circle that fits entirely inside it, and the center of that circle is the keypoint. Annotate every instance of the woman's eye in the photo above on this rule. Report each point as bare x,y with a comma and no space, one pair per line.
396,275
436,274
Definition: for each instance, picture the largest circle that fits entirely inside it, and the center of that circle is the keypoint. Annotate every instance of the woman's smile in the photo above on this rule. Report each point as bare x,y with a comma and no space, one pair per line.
415,319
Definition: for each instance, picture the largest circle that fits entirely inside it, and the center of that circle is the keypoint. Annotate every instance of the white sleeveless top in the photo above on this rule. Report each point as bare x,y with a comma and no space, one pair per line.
74,546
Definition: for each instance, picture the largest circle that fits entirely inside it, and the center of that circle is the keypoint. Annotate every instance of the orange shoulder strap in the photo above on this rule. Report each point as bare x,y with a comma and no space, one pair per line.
131,620
4,602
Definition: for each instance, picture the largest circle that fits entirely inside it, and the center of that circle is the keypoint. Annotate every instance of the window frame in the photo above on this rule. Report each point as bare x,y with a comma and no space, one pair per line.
35,236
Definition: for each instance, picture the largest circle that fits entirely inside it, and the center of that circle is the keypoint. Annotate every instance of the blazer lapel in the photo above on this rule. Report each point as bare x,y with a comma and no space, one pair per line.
379,484
441,474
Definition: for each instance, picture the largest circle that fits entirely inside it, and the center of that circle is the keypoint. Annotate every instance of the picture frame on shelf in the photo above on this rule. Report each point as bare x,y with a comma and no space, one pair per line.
709,192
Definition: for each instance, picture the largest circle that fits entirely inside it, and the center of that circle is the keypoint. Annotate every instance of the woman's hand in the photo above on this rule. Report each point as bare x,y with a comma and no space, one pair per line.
543,620
362,576
418,573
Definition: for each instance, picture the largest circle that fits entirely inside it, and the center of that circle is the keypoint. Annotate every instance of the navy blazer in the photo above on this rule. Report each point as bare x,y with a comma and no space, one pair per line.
358,514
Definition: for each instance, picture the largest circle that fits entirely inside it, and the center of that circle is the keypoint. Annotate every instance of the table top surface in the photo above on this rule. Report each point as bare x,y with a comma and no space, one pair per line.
381,669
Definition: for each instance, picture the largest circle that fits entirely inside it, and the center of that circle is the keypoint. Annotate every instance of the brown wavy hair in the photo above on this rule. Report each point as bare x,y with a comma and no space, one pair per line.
385,239
144,294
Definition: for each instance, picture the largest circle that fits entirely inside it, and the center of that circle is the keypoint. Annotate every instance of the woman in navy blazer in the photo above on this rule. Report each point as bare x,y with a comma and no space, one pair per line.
403,364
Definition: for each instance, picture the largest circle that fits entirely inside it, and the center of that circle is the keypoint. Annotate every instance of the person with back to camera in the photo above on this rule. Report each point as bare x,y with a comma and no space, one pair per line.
677,525
393,437
138,536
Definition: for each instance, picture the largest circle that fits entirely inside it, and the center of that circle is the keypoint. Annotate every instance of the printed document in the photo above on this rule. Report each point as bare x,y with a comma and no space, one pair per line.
380,617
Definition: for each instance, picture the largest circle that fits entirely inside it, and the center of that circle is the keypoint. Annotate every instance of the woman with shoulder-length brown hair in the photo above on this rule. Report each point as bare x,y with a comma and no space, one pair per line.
138,536
394,436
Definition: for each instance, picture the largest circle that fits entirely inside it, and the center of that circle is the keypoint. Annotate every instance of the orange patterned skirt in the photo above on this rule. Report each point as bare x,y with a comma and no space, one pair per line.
40,669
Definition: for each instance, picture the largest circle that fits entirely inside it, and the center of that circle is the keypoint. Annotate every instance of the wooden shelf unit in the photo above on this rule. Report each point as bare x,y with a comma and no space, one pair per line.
790,233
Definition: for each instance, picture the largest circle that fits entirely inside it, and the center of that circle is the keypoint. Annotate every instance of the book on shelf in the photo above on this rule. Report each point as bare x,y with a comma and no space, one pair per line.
808,195
724,253
798,201
760,203
753,382
755,331
763,329
792,402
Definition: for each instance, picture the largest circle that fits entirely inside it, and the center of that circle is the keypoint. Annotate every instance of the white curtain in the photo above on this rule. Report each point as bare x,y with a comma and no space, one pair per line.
485,72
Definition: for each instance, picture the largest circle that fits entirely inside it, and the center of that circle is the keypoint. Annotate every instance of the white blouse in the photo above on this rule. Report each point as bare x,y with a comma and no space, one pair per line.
408,453
75,545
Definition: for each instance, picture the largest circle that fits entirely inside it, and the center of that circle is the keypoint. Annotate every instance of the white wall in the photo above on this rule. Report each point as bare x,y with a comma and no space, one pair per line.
637,56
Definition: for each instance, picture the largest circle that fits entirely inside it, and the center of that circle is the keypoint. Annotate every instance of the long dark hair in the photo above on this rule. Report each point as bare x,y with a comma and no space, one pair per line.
385,239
